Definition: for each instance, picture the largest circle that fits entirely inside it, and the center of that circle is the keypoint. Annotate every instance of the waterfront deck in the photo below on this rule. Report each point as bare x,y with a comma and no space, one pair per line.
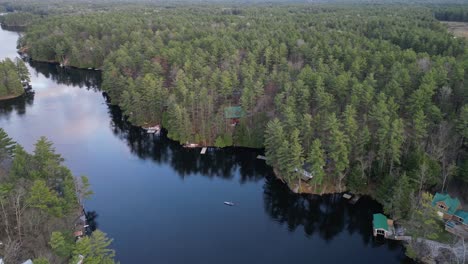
456,229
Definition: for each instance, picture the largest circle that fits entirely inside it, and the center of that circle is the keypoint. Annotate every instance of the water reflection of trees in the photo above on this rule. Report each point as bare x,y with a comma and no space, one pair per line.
327,216
88,79
91,217
16,105
215,163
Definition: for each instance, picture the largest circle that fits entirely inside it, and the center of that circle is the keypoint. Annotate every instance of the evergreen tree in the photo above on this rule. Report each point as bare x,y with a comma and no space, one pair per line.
7,145
94,249
316,161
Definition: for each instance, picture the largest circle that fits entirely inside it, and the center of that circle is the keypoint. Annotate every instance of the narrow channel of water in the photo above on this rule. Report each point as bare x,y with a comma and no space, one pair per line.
164,204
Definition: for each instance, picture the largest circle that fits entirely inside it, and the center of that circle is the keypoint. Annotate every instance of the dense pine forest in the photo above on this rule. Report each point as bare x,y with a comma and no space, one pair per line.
371,99
12,76
39,207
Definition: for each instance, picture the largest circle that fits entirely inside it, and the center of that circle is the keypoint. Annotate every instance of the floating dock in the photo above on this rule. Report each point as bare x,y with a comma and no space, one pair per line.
203,150
347,196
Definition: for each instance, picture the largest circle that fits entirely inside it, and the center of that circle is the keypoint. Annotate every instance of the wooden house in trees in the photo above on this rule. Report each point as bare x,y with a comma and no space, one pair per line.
461,217
446,205
233,114
305,173
456,220
458,225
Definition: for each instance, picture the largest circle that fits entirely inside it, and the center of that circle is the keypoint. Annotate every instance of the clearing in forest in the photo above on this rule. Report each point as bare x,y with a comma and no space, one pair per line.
459,29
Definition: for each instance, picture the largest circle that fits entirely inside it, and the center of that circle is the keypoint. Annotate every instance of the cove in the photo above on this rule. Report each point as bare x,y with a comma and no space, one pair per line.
162,203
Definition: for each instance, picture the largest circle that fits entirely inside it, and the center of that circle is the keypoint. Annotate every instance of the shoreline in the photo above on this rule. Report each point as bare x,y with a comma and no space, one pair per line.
308,190
305,188
25,55
8,97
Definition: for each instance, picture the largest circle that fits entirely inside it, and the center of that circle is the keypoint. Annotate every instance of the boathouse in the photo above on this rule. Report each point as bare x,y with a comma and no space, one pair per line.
446,205
380,225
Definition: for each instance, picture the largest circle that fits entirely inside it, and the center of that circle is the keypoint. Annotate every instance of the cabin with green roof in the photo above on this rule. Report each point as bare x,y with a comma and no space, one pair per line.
461,217
233,113
446,205
458,225
380,225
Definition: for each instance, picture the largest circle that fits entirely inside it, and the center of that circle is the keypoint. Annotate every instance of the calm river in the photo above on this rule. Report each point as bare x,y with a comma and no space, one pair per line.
162,203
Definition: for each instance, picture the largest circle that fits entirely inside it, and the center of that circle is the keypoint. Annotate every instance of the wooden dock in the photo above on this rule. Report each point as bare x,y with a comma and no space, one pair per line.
401,238
355,199
203,151
347,196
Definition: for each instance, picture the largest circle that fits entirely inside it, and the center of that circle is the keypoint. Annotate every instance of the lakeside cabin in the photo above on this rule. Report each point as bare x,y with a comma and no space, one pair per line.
450,210
305,173
446,205
461,217
233,113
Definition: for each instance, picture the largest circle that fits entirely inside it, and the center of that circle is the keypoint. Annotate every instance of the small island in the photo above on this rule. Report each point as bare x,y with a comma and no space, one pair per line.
14,78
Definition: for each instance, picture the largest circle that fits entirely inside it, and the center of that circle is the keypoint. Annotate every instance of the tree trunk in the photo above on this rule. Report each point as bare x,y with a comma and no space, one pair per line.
5,217
18,217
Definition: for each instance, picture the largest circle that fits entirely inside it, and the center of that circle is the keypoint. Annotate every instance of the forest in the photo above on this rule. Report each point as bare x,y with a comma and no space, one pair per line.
370,99
12,76
19,19
458,13
39,205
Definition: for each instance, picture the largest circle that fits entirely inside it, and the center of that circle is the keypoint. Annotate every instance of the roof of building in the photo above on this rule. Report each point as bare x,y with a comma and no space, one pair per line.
452,203
380,222
463,215
233,112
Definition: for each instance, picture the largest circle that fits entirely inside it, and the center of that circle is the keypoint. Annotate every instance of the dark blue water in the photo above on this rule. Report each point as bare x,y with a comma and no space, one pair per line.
164,204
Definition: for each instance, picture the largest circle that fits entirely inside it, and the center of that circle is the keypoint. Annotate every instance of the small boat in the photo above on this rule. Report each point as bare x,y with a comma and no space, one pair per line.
229,203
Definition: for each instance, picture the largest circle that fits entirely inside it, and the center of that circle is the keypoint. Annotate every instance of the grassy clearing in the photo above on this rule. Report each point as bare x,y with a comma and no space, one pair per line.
459,29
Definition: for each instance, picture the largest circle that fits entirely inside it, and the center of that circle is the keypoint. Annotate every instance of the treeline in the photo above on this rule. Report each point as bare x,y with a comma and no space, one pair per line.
12,76
19,19
457,13
363,98
39,203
